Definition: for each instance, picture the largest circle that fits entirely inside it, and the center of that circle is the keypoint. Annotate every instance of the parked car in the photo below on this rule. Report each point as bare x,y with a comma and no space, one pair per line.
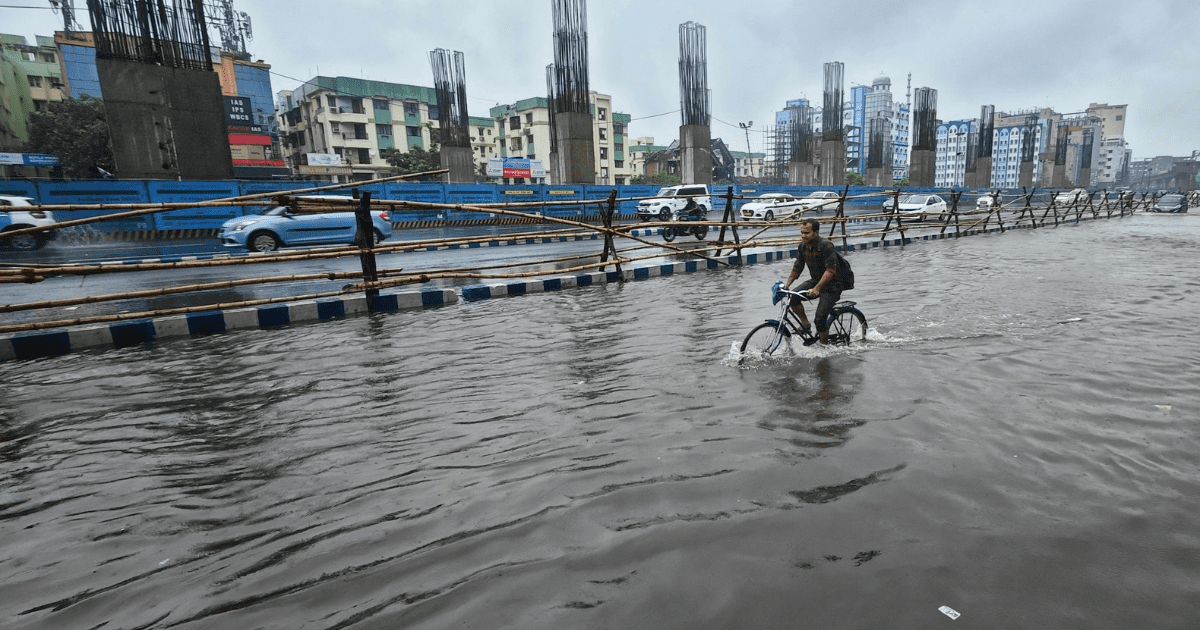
672,199
917,207
1173,202
985,203
819,200
768,206
278,227
20,212
1078,195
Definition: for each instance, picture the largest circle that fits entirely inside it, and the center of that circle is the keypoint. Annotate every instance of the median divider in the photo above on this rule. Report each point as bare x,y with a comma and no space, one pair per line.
58,341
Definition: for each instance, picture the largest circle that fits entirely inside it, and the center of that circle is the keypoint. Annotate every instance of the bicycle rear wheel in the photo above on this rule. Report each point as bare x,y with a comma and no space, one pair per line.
766,340
847,327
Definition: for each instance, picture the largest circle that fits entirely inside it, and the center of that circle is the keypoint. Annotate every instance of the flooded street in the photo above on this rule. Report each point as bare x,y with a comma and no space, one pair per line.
1018,441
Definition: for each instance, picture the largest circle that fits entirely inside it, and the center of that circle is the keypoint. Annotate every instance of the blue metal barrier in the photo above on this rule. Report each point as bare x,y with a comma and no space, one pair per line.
166,191
472,194
428,192
98,192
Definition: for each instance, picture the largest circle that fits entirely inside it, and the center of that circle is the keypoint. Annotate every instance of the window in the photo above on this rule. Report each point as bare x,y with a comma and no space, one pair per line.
334,127
331,100
364,156
514,122
604,173
1120,117
619,164
381,105
481,133
515,143
411,108
383,130
413,132
603,133
47,57
603,153
600,113
529,118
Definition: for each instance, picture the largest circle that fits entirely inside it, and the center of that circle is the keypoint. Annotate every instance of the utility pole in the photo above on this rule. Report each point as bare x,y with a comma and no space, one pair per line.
746,127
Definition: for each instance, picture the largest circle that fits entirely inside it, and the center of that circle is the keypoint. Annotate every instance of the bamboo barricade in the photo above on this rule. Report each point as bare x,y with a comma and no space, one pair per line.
372,279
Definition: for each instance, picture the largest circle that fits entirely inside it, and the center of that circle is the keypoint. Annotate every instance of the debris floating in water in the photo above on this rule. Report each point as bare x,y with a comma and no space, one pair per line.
1164,408
949,612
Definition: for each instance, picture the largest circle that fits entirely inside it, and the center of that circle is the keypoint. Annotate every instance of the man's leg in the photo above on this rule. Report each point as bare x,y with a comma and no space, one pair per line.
824,307
798,306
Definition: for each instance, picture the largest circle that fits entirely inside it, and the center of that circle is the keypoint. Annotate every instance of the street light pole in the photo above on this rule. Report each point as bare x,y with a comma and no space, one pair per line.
746,127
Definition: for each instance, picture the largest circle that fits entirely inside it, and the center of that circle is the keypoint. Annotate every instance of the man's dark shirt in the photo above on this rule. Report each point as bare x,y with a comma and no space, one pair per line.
818,258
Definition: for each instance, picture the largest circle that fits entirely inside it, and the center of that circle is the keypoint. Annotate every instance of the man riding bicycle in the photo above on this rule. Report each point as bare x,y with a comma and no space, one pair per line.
821,258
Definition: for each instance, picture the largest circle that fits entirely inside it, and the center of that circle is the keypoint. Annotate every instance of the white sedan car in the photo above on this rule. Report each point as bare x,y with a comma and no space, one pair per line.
820,200
768,206
917,207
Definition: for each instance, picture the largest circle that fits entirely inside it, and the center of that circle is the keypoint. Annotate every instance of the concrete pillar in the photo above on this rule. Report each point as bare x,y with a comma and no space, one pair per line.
553,176
165,123
1025,175
922,168
695,154
1085,177
460,161
879,177
833,163
983,172
803,174
576,148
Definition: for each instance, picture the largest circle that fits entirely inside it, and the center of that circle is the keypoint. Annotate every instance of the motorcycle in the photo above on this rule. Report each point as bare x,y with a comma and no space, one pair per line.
684,215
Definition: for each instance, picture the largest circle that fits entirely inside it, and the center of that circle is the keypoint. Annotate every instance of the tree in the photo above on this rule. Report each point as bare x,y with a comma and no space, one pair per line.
417,160
901,182
76,131
657,179
855,179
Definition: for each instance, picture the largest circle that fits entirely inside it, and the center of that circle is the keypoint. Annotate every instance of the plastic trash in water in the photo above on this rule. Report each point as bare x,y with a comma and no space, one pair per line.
1164,408
949,612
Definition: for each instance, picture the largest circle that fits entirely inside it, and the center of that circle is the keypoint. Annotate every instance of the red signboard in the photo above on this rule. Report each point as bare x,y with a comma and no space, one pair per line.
237,162
516,172
248,138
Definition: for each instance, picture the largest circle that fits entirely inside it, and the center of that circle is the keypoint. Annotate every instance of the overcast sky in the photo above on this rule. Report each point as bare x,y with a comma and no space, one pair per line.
1018,54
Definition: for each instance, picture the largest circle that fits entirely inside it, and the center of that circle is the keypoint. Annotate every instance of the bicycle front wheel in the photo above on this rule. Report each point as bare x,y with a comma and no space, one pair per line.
847,327
766,340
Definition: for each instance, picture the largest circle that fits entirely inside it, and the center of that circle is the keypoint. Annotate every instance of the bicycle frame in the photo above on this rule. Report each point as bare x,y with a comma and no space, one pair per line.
789,323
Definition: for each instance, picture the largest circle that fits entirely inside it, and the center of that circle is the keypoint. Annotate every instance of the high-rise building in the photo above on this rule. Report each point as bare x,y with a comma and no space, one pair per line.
956,140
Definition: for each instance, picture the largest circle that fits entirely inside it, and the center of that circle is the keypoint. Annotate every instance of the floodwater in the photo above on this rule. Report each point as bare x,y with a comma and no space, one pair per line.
1018,442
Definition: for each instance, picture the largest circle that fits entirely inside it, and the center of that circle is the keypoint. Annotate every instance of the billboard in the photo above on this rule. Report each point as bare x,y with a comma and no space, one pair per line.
324,159
28,159
238,111
515,167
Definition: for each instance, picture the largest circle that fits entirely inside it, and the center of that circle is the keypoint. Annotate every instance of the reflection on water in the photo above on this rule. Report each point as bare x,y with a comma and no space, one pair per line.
1017,441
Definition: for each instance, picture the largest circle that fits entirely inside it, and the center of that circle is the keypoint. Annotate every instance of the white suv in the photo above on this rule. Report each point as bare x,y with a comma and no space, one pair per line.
20,212
672,199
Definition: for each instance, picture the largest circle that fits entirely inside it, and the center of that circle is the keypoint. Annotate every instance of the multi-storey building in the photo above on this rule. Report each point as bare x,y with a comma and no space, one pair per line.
1114,151
79,63
956,139
525,126
639,151
358,121
30,77
748,165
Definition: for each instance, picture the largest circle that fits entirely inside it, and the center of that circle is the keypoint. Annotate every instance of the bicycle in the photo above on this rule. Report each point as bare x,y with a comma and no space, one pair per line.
847,326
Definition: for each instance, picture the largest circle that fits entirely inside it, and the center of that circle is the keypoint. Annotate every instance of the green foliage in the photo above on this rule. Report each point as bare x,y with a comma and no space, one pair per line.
77,132
416,160
658,179
901,182
855,179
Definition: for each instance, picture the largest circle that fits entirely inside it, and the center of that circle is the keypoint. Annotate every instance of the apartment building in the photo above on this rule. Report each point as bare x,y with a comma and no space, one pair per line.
956,140
30,77
350,124
748,166
525,126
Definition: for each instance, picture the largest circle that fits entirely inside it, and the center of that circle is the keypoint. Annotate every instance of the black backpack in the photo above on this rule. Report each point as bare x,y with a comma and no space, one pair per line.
845,273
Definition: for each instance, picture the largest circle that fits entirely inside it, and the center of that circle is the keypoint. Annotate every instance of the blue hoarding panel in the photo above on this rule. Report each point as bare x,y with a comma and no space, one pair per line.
255,188
565,192
521,194
430,192
471,194
18,188
98,192
185,192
